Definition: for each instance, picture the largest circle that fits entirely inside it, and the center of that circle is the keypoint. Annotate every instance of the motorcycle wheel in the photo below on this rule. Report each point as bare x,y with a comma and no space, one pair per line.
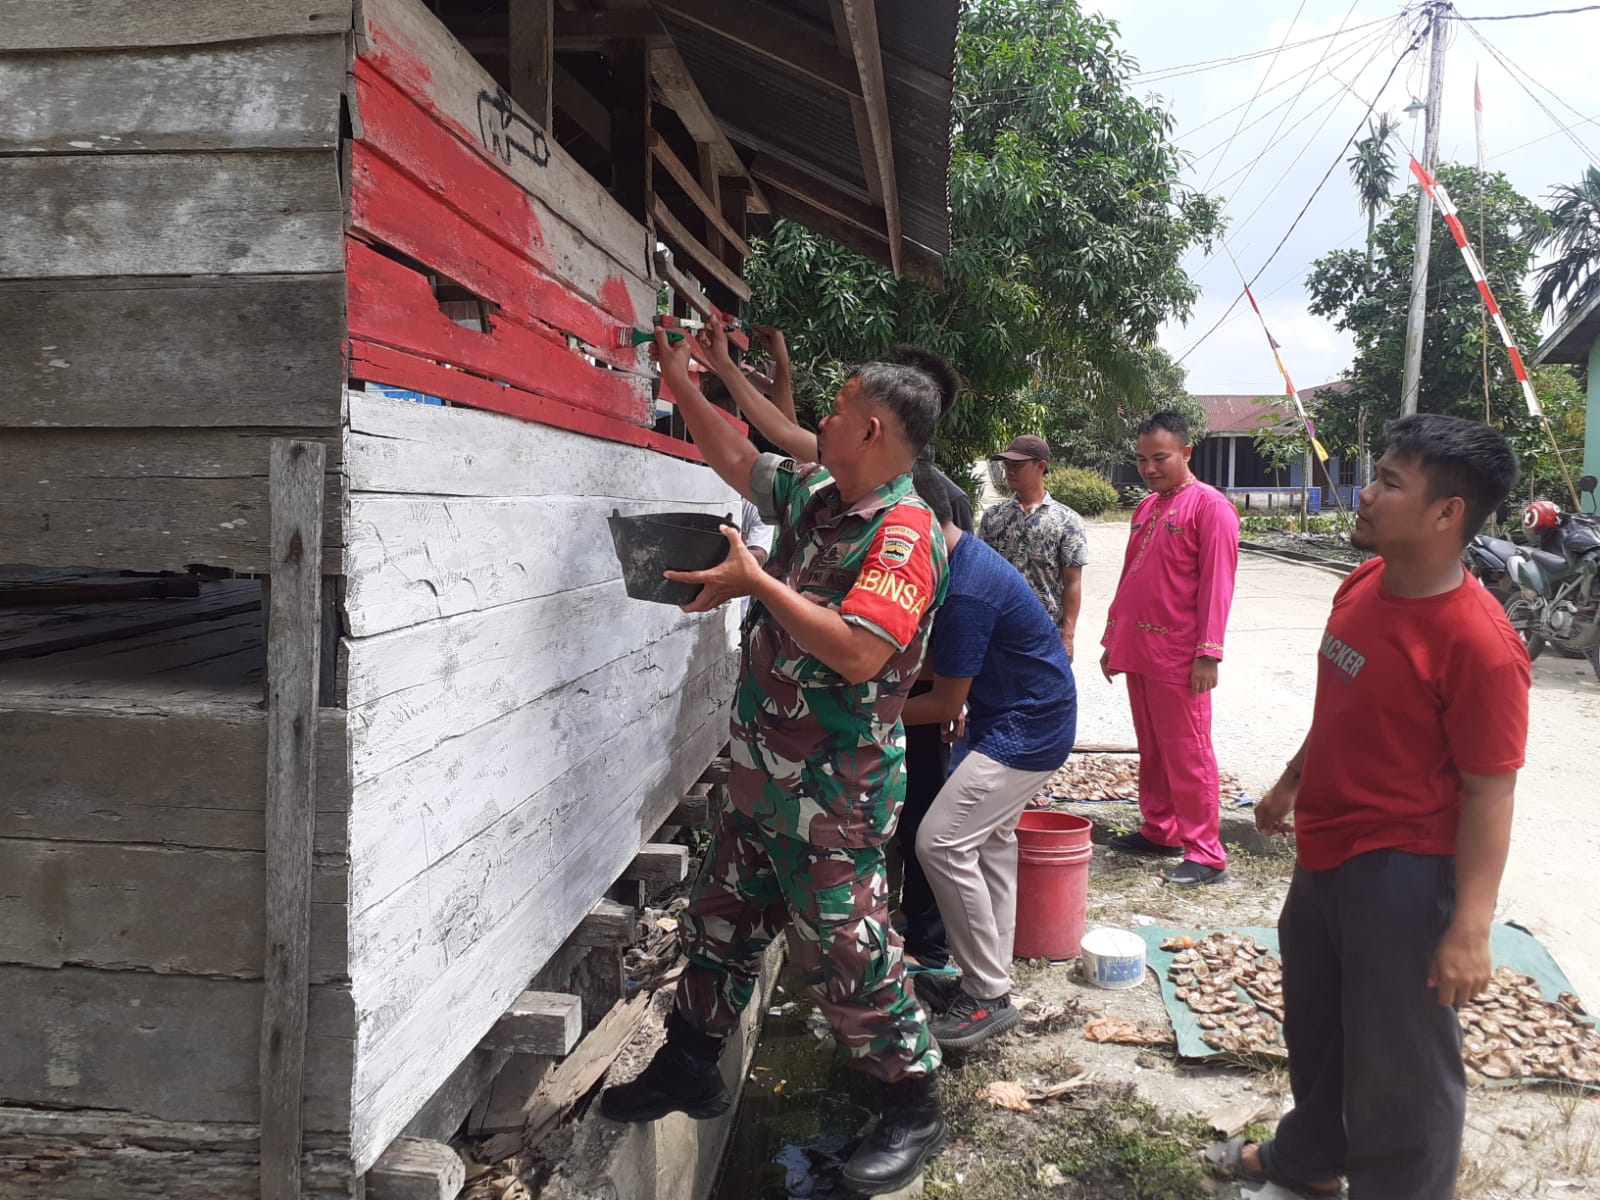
1524,619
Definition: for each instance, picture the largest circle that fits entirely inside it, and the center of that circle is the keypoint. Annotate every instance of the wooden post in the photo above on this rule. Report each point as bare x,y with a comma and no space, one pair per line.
532,46
630,127
293,657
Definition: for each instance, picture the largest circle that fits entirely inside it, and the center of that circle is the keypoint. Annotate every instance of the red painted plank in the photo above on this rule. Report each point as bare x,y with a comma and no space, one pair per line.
393,305
392,209
382,364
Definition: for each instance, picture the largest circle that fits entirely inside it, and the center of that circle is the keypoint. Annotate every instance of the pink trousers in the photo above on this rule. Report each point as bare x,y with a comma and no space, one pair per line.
1177,768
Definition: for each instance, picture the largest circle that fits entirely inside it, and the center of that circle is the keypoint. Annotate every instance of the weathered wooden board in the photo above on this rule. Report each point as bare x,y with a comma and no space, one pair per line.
92,24
115,1156
414,51
452,198
260,350
394,305
418,450
170,214
146,499
416,1169
444,1023
41,624
281,95
659,863
415,934
168,909
539,1023
456,788
174,1047
190,774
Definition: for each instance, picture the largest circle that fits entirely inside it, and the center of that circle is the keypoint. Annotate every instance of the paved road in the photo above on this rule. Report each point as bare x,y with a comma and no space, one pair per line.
1263,707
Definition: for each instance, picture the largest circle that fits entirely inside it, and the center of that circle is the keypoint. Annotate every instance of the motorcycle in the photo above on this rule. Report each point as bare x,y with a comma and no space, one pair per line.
1555,586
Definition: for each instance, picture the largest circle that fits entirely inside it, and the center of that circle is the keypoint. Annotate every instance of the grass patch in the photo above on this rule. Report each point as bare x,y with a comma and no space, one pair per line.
1106,1145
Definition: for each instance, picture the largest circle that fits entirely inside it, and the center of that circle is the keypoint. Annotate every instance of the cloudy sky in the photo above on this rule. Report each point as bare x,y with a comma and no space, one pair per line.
1312,98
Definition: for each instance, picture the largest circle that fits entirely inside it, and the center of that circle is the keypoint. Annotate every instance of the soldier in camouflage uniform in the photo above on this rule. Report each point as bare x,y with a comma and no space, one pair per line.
834,639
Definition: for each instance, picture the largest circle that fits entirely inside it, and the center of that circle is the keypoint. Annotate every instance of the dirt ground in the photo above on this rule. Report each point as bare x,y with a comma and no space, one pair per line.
1136,1128
1134,1125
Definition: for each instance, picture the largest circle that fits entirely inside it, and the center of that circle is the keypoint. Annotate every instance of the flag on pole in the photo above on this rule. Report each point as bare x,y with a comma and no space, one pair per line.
1452,218
1288,384
1477,122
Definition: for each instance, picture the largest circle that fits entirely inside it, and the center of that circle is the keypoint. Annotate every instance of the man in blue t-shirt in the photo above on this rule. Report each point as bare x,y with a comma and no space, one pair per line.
996,651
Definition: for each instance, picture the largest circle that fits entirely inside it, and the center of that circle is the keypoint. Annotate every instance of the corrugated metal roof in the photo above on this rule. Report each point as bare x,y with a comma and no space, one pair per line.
1242,413
770,108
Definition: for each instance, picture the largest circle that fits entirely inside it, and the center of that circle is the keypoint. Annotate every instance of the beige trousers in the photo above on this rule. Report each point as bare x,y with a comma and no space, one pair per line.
968,848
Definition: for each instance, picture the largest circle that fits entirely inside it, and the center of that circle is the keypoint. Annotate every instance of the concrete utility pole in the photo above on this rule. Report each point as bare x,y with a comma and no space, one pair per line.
1430,158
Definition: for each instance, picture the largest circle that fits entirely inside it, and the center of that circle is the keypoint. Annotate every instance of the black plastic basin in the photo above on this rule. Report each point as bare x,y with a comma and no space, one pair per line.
651,543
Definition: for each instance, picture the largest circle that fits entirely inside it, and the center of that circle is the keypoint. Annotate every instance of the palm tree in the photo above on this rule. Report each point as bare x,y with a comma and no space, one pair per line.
1573,275
1372,170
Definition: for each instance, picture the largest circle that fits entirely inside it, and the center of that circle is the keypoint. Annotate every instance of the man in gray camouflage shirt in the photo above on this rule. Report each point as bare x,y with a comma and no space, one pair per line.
1044,539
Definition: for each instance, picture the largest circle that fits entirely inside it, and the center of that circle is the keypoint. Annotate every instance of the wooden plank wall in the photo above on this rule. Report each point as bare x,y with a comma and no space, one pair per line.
518,727
171,273
451,180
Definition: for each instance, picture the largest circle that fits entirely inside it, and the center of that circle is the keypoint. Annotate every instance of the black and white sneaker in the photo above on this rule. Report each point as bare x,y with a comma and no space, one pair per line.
1137,843
969,1020
1193,874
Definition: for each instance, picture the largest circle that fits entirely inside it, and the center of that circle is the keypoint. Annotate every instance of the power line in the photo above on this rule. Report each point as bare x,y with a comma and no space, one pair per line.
1156,74
1416,40
1259,85
1552,12
1513,70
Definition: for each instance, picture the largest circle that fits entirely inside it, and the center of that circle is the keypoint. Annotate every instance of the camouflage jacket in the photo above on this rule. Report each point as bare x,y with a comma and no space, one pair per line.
816,757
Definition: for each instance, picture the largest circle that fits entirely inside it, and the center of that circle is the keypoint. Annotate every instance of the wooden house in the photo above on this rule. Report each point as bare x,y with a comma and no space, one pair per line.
325,723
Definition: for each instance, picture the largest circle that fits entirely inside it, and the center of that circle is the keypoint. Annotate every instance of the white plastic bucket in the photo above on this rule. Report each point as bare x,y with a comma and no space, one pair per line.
1113,958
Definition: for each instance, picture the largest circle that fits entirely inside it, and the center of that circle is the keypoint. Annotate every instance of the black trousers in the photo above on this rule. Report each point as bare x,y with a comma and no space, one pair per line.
927,765
1374,1059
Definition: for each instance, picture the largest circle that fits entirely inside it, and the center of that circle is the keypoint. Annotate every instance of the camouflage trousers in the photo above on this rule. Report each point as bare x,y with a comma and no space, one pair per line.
834,902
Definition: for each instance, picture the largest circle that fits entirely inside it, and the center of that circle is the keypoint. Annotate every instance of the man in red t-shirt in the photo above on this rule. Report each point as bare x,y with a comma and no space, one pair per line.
1402,797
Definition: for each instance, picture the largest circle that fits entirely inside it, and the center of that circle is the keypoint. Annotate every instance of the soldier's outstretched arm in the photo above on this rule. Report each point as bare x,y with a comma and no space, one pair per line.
728,452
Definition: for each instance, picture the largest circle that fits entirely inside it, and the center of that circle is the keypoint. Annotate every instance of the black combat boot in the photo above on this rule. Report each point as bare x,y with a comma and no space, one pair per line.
908,1136
682,1077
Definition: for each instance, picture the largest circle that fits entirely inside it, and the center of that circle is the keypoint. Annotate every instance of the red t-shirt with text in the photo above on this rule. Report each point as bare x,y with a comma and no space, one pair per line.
1410,694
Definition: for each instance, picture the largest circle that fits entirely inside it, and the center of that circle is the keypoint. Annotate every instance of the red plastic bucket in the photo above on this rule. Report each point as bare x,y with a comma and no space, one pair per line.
1053,853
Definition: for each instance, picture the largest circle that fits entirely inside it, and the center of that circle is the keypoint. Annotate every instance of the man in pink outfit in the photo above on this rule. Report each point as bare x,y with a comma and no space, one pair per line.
1164,632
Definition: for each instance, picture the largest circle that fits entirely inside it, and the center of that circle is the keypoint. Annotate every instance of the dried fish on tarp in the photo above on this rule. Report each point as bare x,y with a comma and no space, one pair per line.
1109,777
1512,1031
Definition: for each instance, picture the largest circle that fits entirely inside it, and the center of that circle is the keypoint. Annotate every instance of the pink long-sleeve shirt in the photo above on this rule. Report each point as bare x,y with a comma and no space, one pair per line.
1172,602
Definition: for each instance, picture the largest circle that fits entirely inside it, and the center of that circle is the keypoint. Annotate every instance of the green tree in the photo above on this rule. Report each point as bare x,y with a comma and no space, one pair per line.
1573,276
1372,308
1372,170
1067,230
1085,433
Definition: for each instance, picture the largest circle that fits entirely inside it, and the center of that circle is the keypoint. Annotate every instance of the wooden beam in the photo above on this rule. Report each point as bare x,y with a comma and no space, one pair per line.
819,195
539,1023
683,96
579,103
593,31
295,488
707,206
672,230
861,19
416,1169
764,31
695,808
630,127
920,263
711,184
532,53
660,862
684,287
858,107
608,924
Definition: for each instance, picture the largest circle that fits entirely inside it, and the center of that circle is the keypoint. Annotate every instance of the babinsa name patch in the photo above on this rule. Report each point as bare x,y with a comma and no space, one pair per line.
898,542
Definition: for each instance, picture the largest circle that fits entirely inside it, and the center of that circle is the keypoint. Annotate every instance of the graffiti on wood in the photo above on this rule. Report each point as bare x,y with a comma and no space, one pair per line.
506,132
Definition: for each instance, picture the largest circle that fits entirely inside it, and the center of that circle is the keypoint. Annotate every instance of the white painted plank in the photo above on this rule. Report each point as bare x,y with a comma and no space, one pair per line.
171,214
414,935
408,818
444,1023
388,731
262,95
400,447
90,24
415,51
